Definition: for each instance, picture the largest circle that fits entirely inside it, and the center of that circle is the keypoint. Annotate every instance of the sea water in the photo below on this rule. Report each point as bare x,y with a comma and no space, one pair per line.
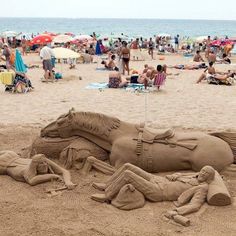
130,27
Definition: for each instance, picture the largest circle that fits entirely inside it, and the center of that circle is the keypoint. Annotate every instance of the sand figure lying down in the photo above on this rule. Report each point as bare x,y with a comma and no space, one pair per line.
33,171
190,191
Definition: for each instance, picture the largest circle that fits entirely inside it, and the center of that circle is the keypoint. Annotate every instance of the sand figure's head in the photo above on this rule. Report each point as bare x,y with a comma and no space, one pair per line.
206,174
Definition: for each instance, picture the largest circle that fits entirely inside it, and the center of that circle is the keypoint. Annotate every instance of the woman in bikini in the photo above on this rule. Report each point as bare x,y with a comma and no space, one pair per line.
125,56
33,171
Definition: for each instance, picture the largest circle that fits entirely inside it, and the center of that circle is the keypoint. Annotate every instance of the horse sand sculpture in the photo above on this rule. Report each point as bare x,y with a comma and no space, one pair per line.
150,149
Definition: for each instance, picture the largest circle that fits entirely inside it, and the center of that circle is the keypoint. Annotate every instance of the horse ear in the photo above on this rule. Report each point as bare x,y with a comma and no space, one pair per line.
72,109
71,114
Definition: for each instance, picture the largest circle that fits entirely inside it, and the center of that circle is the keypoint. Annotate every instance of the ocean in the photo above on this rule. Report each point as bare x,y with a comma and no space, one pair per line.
129,27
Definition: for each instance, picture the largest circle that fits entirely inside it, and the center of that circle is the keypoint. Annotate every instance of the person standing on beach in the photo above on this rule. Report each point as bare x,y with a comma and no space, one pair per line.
208,48
24,45
177,43
125,56
151,48
46,55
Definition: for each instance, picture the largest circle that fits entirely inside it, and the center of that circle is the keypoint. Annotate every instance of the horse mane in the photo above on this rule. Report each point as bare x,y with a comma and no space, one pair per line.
95,123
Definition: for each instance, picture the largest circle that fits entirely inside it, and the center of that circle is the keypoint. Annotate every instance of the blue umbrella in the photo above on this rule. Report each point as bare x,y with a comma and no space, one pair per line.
98,49
19,64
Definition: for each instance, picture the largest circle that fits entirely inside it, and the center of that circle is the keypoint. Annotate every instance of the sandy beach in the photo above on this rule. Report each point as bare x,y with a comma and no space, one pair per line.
181,104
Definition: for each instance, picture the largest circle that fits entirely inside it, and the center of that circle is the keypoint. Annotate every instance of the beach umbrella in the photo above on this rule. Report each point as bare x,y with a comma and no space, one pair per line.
27,36
62,38
7,34
84,37
216,43
65,53
164,35
41,39
19,64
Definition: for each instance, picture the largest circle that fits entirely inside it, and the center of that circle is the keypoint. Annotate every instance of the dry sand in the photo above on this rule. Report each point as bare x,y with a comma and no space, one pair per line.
181,104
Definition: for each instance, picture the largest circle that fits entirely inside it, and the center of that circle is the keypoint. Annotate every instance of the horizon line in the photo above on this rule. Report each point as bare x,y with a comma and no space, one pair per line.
113,18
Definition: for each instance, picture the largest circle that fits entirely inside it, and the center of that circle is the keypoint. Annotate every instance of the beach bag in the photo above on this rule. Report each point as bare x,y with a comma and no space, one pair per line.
58,75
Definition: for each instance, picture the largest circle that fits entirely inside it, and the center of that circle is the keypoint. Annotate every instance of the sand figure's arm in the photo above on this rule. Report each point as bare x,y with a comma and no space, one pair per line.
65,173
198,197
42,179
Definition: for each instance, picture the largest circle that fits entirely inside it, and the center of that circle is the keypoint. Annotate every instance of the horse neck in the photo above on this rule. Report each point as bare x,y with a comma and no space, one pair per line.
105,139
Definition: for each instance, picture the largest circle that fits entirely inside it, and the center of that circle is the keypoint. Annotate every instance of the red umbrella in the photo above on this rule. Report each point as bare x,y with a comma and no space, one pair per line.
221,42
41,39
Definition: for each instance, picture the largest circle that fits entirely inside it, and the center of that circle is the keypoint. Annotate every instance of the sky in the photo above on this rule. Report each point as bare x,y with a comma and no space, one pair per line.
159,9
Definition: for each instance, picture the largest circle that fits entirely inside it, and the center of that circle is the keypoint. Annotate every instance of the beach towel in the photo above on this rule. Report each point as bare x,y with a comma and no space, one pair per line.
104,85
97,86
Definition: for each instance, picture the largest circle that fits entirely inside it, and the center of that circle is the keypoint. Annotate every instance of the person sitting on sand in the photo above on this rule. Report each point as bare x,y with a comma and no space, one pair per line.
211,57
225,59
33,171
210,71
115,80
147,67
147,76
87,57
111,65
197,57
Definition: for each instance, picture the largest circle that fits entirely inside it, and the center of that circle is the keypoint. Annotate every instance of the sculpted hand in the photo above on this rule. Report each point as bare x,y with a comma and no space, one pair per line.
173,177
71,186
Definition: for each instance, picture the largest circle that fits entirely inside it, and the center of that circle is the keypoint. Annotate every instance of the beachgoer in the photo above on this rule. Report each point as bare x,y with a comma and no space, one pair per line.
115,80
150,47
210,71
176,39
111,65
160,77
197,57
125,56
225,59
211,56
24,45
7,54
46,55
33,171
208,46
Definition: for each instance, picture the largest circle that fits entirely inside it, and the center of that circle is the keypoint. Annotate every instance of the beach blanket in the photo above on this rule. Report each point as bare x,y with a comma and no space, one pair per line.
105,86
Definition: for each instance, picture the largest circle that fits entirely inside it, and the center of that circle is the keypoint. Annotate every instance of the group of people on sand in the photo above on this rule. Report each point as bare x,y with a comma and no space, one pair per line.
20,81
150,76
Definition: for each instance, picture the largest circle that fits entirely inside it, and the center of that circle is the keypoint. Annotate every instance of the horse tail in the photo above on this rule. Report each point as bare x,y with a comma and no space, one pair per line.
230,169
230,138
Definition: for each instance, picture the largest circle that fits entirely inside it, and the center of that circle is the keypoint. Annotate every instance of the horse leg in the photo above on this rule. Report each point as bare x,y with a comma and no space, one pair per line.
92,162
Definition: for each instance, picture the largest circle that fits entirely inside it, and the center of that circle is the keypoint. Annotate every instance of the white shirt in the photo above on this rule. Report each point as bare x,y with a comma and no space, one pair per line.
46,53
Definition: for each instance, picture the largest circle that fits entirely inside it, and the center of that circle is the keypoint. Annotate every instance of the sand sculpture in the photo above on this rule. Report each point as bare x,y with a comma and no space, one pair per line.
33,171
150,149
130,185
